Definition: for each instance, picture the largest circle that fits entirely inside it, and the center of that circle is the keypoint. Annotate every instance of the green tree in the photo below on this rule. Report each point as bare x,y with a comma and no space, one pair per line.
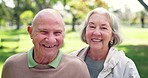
4,14
41,4
12,15
31,5
79,8
26,17
20,7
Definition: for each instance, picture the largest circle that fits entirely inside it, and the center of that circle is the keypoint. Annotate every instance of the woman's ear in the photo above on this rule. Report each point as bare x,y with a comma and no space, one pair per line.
112,38
113,35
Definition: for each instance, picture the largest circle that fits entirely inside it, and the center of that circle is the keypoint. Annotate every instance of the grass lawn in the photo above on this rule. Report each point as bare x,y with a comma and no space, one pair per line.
135,45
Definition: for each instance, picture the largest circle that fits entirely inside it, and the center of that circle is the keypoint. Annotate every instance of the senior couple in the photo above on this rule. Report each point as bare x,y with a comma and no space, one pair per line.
100,59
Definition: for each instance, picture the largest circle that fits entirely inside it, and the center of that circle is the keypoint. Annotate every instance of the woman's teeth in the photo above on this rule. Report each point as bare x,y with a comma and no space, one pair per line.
96,40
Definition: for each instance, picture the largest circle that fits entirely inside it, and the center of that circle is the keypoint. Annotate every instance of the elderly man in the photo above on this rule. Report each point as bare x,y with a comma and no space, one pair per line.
45,60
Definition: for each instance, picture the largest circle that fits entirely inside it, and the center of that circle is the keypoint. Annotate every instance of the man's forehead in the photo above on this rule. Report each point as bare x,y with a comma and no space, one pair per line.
47,11
47,14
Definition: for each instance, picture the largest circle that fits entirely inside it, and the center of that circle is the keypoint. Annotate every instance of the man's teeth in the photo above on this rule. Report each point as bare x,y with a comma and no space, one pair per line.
96,40
49,46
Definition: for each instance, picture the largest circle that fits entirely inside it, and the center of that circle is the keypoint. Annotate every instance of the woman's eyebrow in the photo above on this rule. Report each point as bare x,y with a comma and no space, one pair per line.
90,23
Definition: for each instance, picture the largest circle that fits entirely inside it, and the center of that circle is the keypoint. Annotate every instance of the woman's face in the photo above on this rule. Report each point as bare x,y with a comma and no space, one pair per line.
98,31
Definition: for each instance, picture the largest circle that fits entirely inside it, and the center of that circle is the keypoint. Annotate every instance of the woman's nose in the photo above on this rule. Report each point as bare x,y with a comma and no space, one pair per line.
97,32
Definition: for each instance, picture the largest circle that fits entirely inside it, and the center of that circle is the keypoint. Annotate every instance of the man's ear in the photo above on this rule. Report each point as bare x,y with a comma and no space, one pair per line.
29,29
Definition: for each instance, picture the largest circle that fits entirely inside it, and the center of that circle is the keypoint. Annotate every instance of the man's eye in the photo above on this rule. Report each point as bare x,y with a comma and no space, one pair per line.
57,33
43,32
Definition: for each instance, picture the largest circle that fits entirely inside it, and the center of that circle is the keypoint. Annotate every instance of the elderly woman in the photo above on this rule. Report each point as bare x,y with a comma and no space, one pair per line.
101,33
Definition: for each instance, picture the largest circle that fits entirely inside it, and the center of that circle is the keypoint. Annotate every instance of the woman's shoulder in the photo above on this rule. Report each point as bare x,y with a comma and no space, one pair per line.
123,58
128,65
122,64
77,52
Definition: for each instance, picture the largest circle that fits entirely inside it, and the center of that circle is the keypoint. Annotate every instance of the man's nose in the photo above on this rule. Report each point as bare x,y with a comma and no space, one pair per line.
50,38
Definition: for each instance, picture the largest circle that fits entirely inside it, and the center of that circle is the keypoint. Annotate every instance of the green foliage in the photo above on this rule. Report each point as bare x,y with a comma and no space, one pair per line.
78,8
12,15
2,22
68,20
26,17
18,16
4,14
100,3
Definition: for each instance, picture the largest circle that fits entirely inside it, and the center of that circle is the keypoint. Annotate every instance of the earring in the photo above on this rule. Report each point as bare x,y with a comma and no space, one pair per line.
111,42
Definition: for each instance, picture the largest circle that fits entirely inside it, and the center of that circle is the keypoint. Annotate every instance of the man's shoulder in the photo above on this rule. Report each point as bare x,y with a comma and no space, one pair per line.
72,59
16,57
74,65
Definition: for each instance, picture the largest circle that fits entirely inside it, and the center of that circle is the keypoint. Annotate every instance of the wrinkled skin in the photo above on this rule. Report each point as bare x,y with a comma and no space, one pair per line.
47,34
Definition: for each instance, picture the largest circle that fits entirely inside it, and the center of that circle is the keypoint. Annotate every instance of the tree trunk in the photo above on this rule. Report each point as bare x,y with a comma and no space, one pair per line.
64,3
142,19
17,22
73,22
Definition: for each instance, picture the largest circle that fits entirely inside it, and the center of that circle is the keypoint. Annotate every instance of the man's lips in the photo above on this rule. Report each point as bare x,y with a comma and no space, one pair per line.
48,46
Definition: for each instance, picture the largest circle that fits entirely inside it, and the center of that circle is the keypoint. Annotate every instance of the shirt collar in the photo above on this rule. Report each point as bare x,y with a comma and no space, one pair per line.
32,63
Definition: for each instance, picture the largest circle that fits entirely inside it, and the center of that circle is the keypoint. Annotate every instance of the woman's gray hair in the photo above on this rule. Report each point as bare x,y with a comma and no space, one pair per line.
114,23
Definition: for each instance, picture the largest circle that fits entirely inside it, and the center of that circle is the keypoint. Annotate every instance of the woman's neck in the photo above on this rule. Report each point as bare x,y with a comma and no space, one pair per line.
98,54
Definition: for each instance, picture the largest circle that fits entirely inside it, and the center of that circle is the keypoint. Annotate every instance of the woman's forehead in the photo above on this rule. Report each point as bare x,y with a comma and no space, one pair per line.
98,17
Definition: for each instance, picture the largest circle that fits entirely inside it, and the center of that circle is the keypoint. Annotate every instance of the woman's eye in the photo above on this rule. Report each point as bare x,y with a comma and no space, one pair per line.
91,26
103,27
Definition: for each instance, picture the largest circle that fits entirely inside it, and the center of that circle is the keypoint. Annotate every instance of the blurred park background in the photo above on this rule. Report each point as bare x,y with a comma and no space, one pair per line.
15,15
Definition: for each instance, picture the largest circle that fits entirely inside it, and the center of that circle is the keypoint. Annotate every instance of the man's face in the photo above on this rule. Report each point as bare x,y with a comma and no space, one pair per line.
47,35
